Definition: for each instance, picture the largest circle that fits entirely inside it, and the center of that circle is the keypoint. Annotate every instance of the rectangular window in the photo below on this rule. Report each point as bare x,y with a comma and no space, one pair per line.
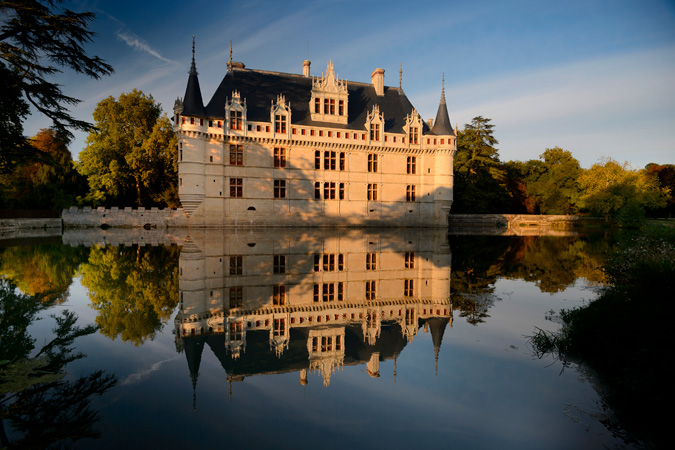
342,191
340,291
372,192
279,263
280,123
408,290
341,262
279,295
371,261
370,290
279,188
332,107
326,108
329,160
317,263
317,190
236,297
279,157
236,155
374,131
236,187
329,263
235,331
412,164
414,135
192,120
279,327
409,260
328,294
329,190
410,193
341,108
235,120
372,162
236,263
342,160
317,159
317,105
316,293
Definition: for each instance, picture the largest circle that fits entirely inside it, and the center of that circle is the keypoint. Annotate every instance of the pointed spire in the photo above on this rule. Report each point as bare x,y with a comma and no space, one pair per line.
192,101
193,66
442,124
437,326
230,51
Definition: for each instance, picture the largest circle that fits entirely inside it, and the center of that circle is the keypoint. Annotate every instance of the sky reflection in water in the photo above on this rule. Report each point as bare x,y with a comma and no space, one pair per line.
479,386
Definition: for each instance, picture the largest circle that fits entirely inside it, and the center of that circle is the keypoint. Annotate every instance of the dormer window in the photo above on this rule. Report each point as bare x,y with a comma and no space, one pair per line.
236,120
235,113
280,123
329,98
413,127
375,132
375,124
281,116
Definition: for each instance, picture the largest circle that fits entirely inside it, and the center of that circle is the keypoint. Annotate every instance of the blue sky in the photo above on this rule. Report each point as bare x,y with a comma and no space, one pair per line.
594,77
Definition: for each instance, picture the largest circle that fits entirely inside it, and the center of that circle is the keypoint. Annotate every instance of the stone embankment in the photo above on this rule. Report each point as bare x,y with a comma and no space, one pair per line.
24,228
517,224
123,218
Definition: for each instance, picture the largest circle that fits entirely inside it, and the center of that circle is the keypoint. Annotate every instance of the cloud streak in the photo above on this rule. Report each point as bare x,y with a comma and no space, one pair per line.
137,43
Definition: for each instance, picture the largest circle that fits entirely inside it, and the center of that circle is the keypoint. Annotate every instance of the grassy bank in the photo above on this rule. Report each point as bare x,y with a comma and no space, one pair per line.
624,334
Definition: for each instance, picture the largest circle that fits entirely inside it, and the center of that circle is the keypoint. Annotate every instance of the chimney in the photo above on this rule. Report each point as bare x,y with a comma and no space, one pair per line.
377,78
430,122
305,67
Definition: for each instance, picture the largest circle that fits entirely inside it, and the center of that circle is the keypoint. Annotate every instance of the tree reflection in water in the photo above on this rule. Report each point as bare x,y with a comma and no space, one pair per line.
552,263
133,289
40,407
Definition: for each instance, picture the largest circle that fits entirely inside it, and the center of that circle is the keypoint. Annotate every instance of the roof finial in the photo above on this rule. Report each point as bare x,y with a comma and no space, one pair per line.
400,76
193,67
230,50
443,90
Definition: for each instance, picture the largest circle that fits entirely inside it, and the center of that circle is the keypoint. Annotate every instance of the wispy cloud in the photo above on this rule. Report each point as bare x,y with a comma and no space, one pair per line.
143,374
134,41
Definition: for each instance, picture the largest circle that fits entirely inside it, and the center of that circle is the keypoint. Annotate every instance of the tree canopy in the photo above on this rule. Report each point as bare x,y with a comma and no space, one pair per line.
553,181
45,183
616,191
38,40
131,156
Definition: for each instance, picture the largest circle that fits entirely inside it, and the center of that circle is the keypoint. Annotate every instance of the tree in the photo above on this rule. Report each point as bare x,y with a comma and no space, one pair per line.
479,176
37,39
666,176
553,181
45,183
616,191
132,153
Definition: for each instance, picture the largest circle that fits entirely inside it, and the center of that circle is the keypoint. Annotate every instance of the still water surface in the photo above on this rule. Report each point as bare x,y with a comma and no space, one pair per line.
305,338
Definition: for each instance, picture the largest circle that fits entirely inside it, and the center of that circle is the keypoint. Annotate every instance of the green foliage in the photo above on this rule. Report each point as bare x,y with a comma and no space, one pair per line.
609,187
479,176
665,174
36,40
624,334
133,290
131,157
553,181
50,182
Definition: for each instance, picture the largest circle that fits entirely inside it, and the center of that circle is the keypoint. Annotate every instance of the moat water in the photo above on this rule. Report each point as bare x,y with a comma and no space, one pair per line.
297,338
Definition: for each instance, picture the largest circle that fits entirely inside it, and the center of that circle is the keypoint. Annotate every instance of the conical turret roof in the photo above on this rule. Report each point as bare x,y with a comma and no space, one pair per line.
442,125
192,102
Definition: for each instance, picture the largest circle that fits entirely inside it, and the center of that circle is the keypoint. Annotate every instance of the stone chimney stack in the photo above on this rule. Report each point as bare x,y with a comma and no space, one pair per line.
305,67
377,78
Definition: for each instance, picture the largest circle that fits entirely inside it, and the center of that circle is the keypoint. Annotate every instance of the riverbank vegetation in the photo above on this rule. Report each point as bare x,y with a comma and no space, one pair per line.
624,334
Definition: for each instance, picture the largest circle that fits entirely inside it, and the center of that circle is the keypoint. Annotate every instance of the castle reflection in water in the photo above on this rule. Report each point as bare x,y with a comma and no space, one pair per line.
283,301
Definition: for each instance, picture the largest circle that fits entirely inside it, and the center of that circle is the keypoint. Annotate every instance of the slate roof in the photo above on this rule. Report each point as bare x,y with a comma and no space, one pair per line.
442,126
192,102
259,88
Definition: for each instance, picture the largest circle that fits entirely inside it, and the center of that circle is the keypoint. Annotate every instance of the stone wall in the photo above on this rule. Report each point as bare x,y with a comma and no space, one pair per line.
123,217
518,222
22,228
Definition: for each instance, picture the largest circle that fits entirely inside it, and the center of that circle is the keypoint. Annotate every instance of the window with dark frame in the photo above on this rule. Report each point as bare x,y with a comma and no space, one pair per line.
412,164
410,193
372,162
236,297
235,120
279,188
236,265
236,155
279,263
279,157
236,187
372,192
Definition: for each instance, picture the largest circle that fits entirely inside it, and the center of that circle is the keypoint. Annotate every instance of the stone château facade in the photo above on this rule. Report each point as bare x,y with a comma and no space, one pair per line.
282,149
